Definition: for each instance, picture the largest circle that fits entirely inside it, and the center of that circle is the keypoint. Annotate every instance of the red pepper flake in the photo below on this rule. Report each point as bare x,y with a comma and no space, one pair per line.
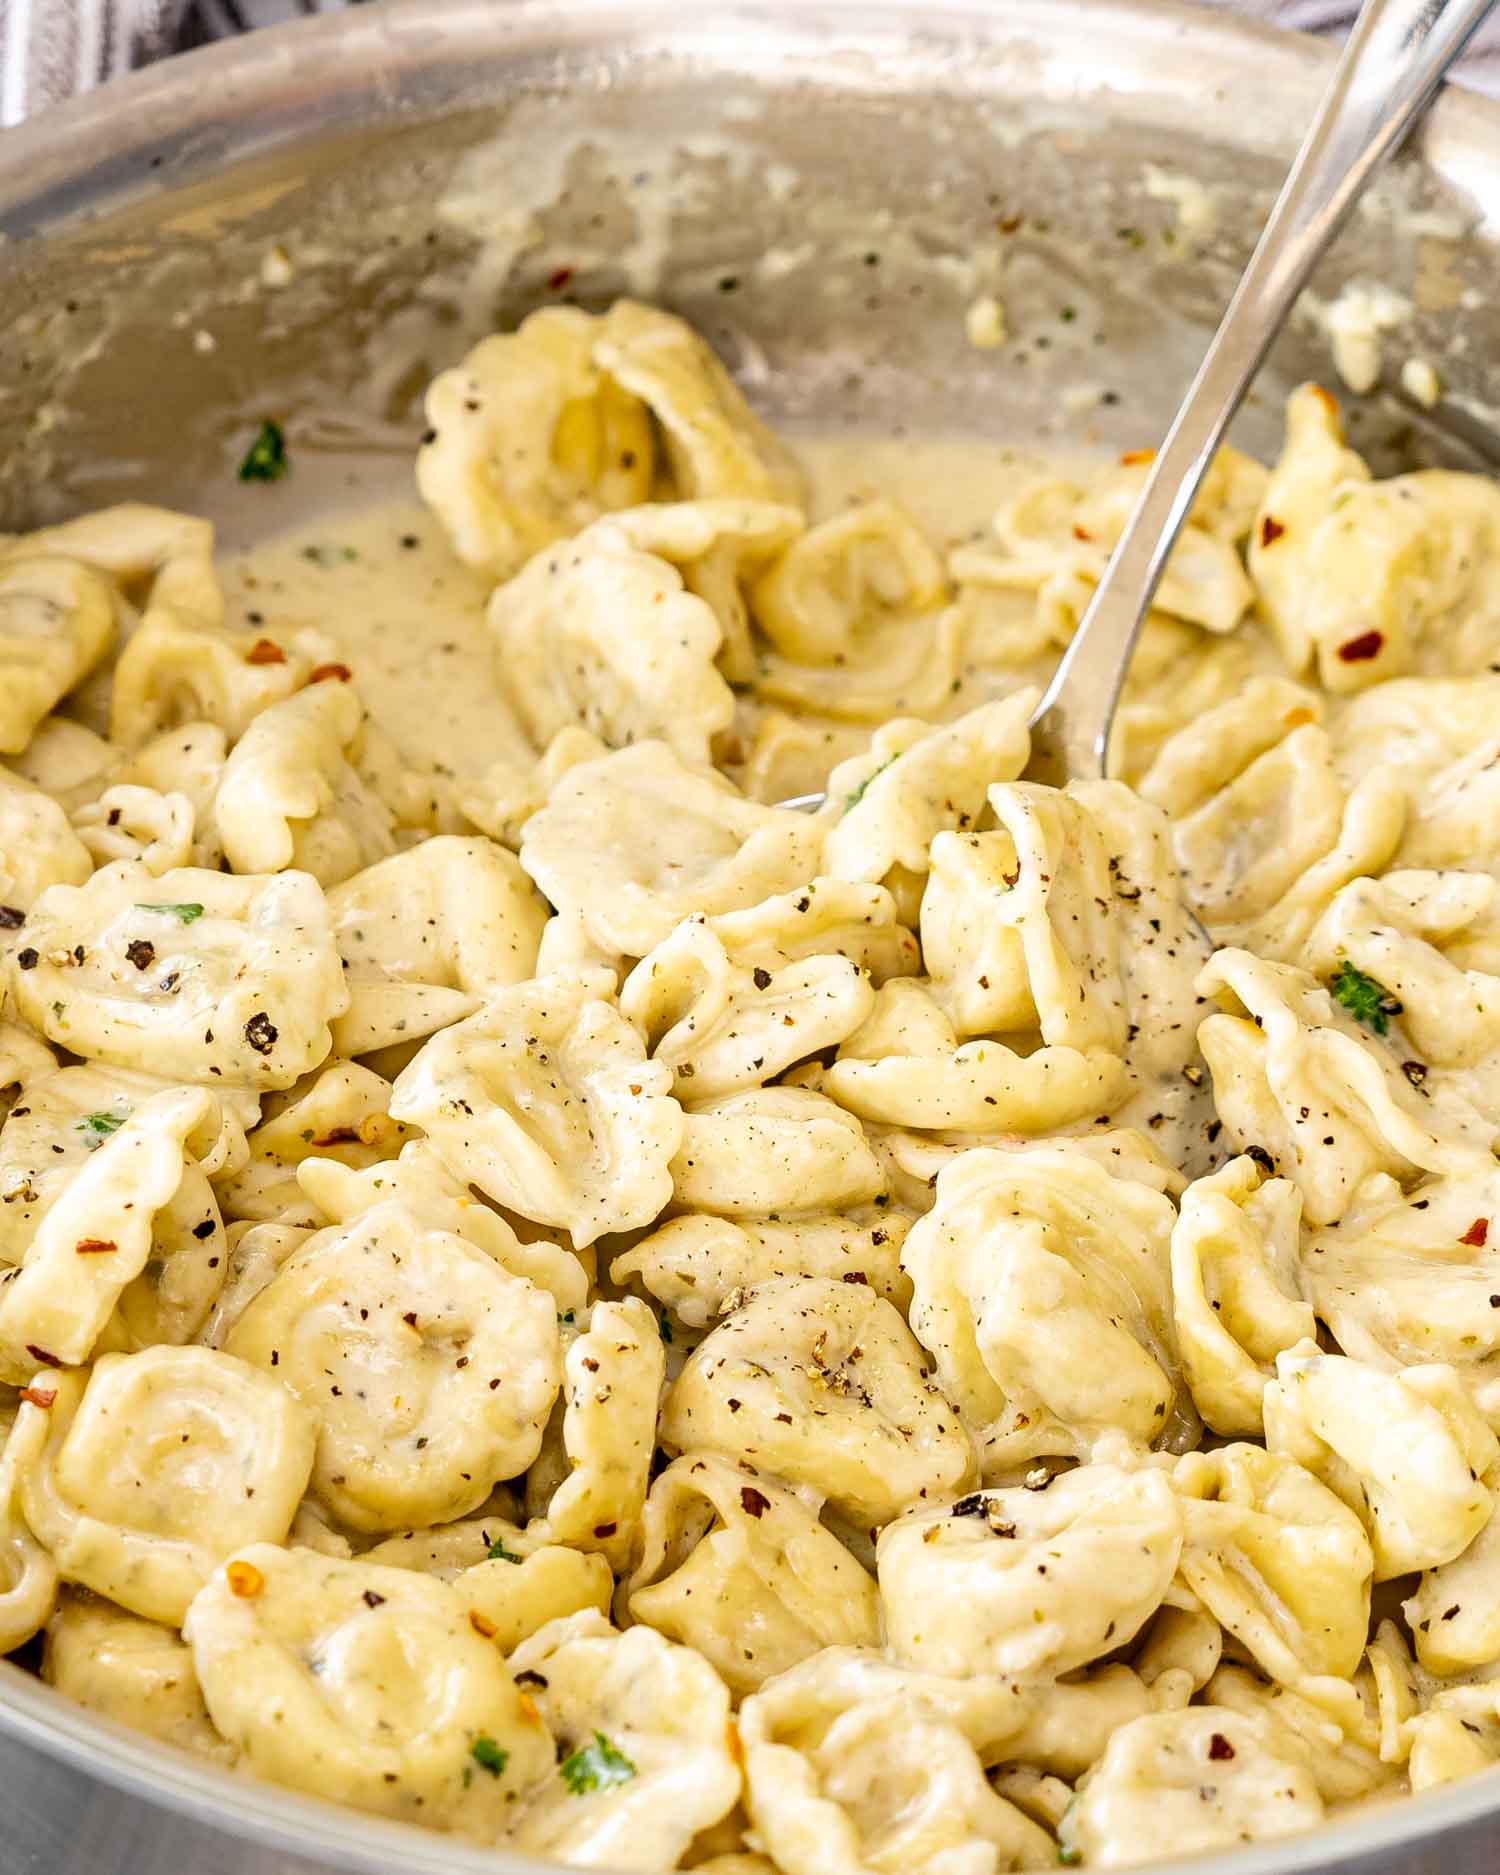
755,1505
338,1136
1271,530
481,1624
1477,1234
263,651
41,1354
39,1396
1220,1749
1133,457
244,1580
321,673
95,1247
1081,533
1361,649
559,278
1294,719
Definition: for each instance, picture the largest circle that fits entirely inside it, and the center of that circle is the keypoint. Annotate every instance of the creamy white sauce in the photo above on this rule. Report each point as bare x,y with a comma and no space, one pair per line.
374,572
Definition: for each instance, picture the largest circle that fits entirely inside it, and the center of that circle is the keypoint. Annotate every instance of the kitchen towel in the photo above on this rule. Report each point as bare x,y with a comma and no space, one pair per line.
50,49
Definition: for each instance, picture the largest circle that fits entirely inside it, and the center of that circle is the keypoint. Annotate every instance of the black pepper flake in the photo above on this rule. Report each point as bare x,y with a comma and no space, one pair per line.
1220,1749
141,952
754,1503
27,959
11,918
261,1032
762,978
372,1600
205,1229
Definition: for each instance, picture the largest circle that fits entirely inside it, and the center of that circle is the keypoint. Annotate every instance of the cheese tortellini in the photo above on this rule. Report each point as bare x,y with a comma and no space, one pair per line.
621,1236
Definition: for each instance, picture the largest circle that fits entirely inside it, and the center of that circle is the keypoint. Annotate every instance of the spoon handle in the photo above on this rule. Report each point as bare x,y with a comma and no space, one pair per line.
1394,60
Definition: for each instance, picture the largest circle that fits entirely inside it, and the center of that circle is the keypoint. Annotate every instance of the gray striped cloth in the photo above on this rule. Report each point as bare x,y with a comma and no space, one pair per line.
50,49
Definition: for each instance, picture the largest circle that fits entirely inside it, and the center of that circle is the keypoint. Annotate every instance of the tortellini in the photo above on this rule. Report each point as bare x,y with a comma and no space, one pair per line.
1359,575
58,618
38,848
853,1764
1296,1079
1041,1286
916,782
738,1566
722,1027
612,1384
1041,1578
133,1671
1170,1783
1237,1297
1406,1280
142,1475
694,1264
428,1368
647,1753
545,1100
598,634
1407,1450
367,1685
193,974
1279,1562
821,1383
426,935
96,1238
772,1150
292,795
538,432
637,841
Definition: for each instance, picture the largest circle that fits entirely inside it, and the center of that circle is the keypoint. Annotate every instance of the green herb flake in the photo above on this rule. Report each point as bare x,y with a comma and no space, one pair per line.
1068,314
1068,1857
666,1328
468,1775
497,1552
596,1767
322,554
1367,1000
564,1320
854,799
266,459
184,914
97,1127
488,1755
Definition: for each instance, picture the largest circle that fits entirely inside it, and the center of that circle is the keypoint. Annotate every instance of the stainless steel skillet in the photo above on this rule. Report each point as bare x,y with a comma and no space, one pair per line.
1036,148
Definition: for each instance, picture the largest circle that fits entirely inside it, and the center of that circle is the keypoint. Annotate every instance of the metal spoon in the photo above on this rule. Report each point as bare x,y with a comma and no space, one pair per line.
1393,62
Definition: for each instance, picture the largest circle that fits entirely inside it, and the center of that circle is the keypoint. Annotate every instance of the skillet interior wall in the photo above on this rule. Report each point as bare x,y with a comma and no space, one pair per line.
830,244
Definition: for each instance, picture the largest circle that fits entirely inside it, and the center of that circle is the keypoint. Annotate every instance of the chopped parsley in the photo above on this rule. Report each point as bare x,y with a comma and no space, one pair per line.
666,1328
488,1755
97,1127
184,914
1367,1000
853,799
497,1552
596,1767
266,459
